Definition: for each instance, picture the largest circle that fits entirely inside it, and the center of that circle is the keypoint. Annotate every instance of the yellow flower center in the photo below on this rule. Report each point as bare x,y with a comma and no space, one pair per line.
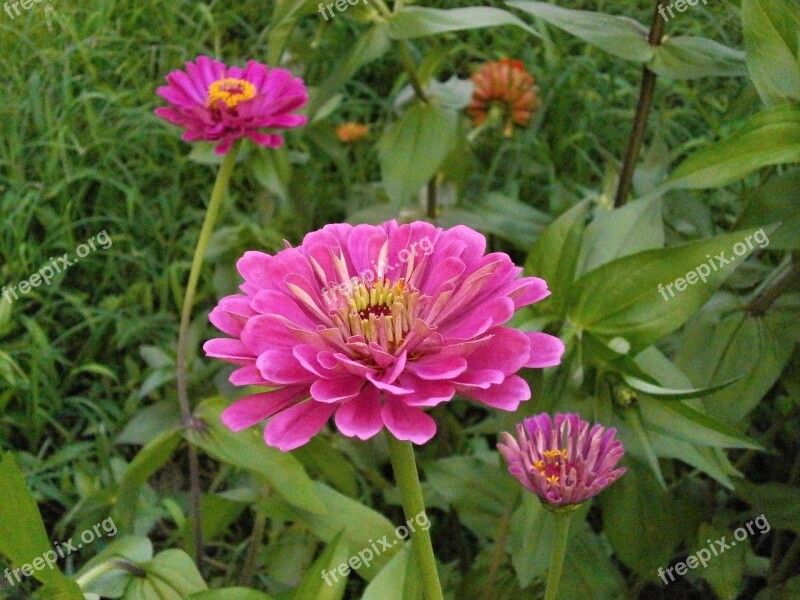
380,311
230,91
550,467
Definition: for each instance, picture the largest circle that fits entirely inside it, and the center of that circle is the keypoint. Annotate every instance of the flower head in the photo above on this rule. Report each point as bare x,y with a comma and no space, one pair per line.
373,324
507,84
352,132
564,463
221,104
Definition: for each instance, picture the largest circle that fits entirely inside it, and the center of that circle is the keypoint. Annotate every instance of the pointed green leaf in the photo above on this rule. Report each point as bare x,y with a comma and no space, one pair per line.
247,450
688,57
412,149
769,138
619,36
623,297
771,40
416,21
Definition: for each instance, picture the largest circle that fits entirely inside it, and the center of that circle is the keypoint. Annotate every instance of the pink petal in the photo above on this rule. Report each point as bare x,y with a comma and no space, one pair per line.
361,416
546,350
280,366
336,390
295,426
251,409
506,395
407,422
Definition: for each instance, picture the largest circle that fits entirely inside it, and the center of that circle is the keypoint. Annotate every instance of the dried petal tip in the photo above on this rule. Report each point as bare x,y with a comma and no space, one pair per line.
565,462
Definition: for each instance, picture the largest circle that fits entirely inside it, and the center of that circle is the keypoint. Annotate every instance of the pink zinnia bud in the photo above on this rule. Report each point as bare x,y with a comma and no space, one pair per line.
372,325
216,103
564,463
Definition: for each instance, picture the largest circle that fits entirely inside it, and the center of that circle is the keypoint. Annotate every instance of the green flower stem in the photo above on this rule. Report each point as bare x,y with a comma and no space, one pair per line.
560,536
214,204
407,478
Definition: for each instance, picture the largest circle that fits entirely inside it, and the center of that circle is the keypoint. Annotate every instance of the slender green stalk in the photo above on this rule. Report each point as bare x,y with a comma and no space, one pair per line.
407,478
559,550
214,204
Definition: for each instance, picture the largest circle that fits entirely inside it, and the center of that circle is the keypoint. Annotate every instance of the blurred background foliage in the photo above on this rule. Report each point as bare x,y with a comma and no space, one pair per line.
704,388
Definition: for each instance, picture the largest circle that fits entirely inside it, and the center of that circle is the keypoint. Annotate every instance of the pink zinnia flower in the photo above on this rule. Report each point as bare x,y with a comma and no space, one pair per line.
564,463
373,324
216,103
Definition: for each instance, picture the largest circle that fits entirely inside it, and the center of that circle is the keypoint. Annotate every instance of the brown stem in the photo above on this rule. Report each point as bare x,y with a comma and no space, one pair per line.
642,111
250,563
432,198
759,305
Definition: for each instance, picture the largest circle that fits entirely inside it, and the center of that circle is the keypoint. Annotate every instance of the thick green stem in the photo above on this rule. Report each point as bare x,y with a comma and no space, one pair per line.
559,550
407,478
214,204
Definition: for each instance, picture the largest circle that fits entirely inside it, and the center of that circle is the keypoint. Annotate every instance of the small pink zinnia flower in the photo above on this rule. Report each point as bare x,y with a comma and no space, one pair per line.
221,104
564,463
373,324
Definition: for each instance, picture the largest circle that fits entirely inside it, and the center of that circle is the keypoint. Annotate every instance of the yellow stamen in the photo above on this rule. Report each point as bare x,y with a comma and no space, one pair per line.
230,91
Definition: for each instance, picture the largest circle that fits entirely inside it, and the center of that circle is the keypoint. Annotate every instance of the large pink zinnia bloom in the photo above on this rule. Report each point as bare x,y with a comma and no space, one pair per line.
563,462
373,324
216,103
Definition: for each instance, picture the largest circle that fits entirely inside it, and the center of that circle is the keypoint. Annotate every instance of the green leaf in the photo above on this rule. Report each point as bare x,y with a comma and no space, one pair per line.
412,149
732,344
770,38
635,227
770,137
128,551
502,216
530,538
149,460
592,574
776,202
778,502
415,21
476,489
360,526
688,57
622,298
391,581
636,518
724,573
371,45
247,450
679,420
234,593
663,393
171,575
554,256
284,19
332,587
23,539
619,36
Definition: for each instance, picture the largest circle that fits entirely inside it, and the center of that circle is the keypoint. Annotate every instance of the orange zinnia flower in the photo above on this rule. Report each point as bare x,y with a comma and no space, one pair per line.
352,132
507,84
